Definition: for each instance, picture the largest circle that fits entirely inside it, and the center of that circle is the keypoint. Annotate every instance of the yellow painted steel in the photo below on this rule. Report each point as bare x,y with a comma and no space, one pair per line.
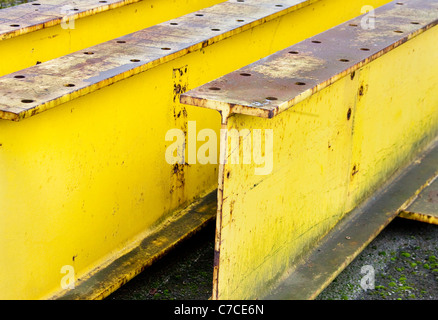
330,152
324,165
85,180
425,207
49,37
427,218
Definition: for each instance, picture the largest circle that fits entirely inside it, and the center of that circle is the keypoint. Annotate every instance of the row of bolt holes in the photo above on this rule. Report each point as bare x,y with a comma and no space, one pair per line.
38,4
69,85
299,83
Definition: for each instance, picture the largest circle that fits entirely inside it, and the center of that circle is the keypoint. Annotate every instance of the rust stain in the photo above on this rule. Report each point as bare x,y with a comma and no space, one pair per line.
33,22
276,83
284,69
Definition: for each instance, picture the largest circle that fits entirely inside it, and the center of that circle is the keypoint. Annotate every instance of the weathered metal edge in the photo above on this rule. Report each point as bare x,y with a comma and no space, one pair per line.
100,283
228,109
356,230
12,116
56,20
425,208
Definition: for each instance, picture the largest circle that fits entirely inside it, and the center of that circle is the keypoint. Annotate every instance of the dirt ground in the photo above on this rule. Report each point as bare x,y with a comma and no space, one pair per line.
404,259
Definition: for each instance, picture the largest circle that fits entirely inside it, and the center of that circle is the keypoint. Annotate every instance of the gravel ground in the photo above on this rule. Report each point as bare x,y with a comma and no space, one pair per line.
10,3
404,258
405,262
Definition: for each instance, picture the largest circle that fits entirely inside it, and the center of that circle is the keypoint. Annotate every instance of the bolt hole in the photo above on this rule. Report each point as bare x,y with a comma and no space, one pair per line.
240,20
344,60
349,114
400,3
134,60
364,49
300,83
14,25
214,88
36,4
215,29
245,74
19,77
103,1
353,25
199,15
271,98
173,24
27,101
415,22
69,85
293,52
398,31
88,52
166,49
121,41
279,5
316,41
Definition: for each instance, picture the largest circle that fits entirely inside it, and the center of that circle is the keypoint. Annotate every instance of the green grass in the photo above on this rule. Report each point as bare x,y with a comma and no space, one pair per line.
10,3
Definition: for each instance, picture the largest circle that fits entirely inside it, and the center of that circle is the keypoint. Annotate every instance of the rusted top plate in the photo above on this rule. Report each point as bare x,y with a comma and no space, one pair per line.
28,17
44,86
275,83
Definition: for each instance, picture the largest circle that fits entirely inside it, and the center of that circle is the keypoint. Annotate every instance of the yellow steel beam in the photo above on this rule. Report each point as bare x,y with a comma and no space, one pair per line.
39,31
356,230
322,125
85,178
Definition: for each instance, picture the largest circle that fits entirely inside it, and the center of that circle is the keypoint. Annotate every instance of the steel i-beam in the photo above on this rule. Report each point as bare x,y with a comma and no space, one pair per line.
322,125
85,181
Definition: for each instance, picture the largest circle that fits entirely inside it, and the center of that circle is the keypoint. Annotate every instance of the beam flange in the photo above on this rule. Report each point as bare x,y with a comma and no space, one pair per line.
276,83
343,120
425,208
45,86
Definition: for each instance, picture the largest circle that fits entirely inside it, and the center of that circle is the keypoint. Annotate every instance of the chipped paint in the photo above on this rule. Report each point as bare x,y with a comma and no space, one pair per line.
372,125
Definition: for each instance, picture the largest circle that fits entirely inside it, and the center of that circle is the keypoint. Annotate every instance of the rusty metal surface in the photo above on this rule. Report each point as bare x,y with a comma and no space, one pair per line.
44,86
356,231
427,202
275,83
36,15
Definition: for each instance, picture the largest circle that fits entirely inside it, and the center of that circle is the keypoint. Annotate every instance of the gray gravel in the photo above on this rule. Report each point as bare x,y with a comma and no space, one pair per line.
10,3
404,258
